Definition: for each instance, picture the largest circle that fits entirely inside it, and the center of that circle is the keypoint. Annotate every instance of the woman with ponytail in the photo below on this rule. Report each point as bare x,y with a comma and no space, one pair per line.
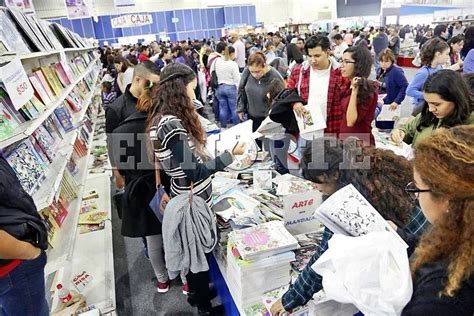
178,142
443,261
359,100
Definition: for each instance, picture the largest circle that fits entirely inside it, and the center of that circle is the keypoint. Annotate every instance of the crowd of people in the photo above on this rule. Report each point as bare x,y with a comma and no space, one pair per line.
250,77
154,93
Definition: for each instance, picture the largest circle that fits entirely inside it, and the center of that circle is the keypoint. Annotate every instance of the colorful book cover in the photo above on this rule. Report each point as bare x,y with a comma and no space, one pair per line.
89,206
5,100
51,226
39,89
93,218
64,118
32,111
89,228
45,161
59,212
44,83
39,106
263,240
62,74
46,141
26,162
8,122
57,125
52,80
271,297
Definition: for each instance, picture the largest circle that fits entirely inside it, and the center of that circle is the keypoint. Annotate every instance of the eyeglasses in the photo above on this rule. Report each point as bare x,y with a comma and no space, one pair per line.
345,62
414,192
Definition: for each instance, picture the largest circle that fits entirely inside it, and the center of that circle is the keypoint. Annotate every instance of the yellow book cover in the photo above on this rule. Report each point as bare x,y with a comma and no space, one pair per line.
51,226
92,218
53,81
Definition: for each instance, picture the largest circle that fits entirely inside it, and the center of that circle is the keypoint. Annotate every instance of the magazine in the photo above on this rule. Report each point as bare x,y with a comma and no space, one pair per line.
264,240
347,212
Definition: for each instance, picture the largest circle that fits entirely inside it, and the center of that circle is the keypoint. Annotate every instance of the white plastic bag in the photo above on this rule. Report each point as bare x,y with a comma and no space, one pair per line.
372,272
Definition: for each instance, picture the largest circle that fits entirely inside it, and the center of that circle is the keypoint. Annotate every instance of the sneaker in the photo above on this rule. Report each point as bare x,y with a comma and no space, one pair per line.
163,287
185,289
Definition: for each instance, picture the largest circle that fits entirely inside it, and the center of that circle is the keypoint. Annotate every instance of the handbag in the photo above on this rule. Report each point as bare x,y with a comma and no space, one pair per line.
161,198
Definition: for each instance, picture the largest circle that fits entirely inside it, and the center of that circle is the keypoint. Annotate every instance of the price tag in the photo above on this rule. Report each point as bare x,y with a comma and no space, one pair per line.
16,82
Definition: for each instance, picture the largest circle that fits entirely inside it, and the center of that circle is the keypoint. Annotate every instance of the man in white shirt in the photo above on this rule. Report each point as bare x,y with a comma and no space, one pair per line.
239,50
340,47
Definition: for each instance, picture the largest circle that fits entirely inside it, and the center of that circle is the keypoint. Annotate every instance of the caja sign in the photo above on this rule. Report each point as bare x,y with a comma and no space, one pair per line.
131,20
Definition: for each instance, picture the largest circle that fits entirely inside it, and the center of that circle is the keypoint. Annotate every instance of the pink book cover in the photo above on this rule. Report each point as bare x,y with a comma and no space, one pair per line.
62,74
39,89
42,79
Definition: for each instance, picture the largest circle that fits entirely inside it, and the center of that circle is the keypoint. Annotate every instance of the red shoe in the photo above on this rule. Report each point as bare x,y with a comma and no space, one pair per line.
185,289
163,287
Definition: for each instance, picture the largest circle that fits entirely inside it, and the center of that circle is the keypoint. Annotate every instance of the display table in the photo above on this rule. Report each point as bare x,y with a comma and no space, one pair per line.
220,285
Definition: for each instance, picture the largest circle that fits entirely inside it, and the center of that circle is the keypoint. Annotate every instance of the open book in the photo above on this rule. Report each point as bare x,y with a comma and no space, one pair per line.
311,121
347,212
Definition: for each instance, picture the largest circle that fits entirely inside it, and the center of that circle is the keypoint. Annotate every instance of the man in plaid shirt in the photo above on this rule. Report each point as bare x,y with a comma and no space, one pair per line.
321,74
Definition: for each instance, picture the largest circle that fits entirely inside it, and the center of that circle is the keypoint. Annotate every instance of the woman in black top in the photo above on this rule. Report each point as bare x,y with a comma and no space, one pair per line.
442,264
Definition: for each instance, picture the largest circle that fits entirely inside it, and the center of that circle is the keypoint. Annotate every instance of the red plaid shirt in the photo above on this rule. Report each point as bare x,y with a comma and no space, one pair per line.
334,109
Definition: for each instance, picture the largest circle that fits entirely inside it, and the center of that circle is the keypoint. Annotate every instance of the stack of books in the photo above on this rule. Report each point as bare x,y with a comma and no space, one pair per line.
258,261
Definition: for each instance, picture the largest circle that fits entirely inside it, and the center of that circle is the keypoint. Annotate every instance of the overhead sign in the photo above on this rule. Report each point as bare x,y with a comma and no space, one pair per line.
131,20
124,3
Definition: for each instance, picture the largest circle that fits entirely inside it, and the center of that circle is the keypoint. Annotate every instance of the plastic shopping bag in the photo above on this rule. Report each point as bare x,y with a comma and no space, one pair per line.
372,272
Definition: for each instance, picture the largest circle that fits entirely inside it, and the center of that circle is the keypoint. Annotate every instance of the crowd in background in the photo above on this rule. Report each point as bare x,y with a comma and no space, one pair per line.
155,89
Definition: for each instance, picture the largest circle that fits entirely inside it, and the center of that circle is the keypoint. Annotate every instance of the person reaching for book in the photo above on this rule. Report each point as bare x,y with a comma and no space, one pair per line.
442,263
447,104
378,181
178,143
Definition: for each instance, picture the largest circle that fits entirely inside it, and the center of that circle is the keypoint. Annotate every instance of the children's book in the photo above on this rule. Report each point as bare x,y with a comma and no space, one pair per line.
93,218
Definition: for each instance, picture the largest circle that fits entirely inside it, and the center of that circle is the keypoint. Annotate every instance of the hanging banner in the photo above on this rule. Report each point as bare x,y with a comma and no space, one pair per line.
24,6
131,20
15,80
77,9
124,3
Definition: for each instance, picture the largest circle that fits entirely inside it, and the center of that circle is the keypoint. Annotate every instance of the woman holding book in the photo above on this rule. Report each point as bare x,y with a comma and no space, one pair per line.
179,144
359,99
378,181
447,104
443,258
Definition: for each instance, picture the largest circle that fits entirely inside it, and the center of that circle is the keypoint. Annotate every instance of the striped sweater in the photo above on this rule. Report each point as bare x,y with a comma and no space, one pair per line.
178,157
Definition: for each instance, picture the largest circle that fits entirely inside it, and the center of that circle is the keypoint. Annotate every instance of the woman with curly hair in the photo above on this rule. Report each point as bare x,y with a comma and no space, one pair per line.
378,181
178,144
434,54
359,100
447,104
443,261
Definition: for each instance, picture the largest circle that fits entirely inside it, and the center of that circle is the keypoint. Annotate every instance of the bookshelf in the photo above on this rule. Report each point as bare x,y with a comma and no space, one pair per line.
27,128
50,185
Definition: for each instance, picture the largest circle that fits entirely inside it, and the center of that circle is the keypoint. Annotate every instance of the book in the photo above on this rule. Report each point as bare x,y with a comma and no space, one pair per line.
8,122
271,297
27,165
288,184
93,218
44,83
6,101
10,35
40,90
46,141
64,118
38,105
59,212
312,121
62,75
89,228
52,227
89,206
264,240
347,212
52,80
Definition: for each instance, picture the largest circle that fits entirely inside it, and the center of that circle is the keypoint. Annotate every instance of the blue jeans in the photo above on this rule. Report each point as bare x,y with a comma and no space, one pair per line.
22,291
227,97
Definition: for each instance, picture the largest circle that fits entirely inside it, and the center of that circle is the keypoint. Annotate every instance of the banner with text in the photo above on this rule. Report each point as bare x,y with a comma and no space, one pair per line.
124,3
131,20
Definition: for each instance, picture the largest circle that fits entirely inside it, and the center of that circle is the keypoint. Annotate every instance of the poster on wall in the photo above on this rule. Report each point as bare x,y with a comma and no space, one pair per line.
124,3
24,6
77,9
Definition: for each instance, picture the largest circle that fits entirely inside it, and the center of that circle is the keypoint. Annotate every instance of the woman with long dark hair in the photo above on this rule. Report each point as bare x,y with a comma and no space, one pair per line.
179,145
456,44
294,55
468,41
447,104
358,100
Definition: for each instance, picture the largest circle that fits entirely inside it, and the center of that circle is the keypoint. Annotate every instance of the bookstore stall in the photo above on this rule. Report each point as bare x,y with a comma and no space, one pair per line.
53,136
